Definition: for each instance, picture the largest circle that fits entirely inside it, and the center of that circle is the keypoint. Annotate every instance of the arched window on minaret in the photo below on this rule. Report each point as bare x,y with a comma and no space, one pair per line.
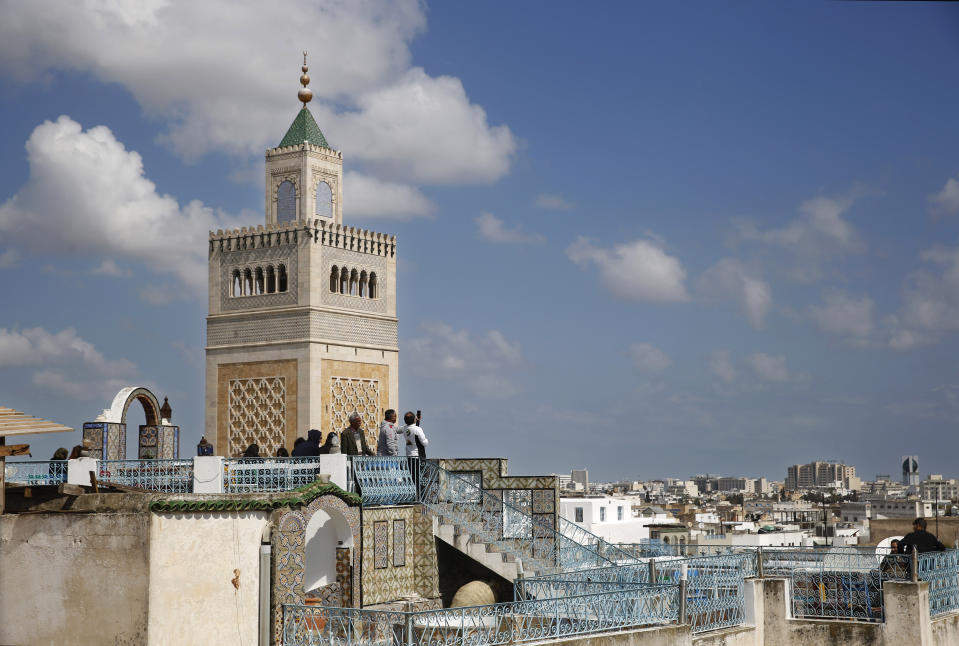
286,202
270,280
354,280
258,281
281,278
363,283
247,282
334,278
236,288
344,281
324,200
372,289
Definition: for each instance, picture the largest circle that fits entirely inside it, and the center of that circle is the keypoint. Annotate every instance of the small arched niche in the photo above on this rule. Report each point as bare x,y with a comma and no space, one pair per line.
324,200
286,202
326,531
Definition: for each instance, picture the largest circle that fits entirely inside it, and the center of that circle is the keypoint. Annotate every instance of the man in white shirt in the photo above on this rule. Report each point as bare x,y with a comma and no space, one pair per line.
415,437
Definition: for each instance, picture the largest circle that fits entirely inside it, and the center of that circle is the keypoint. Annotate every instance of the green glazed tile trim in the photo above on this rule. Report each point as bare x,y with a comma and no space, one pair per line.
302,496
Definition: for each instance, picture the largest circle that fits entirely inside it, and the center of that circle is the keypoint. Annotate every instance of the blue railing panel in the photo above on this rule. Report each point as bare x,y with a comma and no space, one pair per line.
246,475
36,472
168,476
941,570
385,480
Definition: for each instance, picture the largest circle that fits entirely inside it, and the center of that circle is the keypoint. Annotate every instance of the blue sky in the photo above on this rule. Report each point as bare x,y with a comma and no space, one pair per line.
650,239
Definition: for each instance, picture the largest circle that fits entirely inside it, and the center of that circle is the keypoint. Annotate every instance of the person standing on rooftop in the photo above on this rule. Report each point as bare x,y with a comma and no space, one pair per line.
388,442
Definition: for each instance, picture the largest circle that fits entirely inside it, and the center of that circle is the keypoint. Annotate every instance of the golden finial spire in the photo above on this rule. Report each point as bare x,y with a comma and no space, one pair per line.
305,94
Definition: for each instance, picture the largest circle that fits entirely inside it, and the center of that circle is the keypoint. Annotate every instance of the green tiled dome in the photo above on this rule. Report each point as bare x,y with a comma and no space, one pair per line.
304,128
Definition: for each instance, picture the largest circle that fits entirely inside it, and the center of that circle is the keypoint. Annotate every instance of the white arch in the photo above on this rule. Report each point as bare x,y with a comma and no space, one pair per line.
117,413
327,530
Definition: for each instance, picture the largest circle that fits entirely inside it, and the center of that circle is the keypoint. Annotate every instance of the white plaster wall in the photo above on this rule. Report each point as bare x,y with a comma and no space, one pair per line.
192,561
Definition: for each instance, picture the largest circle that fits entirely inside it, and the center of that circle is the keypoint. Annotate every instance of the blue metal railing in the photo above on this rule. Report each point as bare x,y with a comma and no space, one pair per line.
168,476
941,570
493,625
246,475
36,472
385,480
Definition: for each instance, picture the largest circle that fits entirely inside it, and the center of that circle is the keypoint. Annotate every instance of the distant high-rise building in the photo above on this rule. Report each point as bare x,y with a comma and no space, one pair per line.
581,476
819,474
910,470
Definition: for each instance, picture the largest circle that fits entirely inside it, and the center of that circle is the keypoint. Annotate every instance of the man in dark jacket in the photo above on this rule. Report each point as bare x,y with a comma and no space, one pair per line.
921,539
310,447
353,439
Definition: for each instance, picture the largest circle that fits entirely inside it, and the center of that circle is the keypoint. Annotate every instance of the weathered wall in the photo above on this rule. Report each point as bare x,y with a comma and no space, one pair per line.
779,630
740,636
945,629
193,599
659,636
68,578
880,529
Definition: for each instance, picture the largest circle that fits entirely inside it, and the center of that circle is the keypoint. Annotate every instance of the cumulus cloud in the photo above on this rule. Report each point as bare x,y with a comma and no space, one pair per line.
195,71
552,202
649,358
729,279
946,201
845,316
930,307
721,365
769,367
109,267
65,363
368,197
87,195
484,365
819,232
492,229
637,271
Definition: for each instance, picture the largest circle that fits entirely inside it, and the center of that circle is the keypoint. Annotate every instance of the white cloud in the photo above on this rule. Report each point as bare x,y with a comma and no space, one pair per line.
484,365
368,197
65,363
109,267
190,65
639,270
87,195
844,316
730,279
492,229
552,202
769,367
721,365
930,307
818,233
649,358
946,201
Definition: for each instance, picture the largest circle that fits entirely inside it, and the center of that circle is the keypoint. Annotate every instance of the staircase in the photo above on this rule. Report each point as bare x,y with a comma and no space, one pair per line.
507,540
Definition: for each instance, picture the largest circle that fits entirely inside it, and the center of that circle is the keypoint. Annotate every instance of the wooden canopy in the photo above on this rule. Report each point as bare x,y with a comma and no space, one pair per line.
16,423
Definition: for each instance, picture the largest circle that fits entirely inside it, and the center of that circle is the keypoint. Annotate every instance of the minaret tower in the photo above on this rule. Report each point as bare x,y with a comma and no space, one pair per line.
302,327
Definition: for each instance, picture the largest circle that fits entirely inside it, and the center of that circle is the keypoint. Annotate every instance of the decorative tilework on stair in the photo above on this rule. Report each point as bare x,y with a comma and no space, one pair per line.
382,581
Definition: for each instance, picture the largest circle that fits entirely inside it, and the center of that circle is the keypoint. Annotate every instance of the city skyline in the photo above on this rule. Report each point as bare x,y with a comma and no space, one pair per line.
661,239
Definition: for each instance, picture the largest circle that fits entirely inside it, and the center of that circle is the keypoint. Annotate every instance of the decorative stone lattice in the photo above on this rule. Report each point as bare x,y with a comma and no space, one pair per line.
257,414
360,395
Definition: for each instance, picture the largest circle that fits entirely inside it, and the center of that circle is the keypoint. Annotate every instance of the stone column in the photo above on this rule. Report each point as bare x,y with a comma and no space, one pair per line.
907,613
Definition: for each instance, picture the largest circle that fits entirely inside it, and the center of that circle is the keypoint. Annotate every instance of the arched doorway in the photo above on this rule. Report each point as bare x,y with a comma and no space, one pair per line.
156,439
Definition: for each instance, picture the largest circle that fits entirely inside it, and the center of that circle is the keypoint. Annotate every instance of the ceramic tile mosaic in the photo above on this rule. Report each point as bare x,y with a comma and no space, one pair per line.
423,547
543,502
381,548
399,543
344,575
390,583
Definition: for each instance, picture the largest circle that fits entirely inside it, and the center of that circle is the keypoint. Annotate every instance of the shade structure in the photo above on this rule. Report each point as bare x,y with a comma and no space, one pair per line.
14,422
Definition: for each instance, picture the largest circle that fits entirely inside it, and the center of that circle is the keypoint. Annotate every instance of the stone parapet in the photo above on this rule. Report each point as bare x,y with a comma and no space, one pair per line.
283,150
319,231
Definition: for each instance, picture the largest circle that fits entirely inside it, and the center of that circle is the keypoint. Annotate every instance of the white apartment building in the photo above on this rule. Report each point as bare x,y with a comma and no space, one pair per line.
609,517
682,488
936,488
755,539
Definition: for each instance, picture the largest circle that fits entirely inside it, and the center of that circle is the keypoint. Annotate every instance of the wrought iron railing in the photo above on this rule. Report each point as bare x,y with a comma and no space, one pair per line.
385,480
941,570
36,472
715,588
492,625
601,546
243,475
168,476
540,547
836,583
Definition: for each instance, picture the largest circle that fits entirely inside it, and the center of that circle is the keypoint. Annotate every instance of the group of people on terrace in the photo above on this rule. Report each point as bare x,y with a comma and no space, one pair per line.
352,440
